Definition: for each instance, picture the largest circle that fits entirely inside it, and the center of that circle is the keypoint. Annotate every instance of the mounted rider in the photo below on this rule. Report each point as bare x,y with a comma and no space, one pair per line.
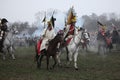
115,35
104,33
102,29
3,31
85,36
70,25
47,35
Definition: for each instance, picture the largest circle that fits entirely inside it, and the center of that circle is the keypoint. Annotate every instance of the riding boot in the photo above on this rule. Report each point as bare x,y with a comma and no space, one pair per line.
1,48
43,52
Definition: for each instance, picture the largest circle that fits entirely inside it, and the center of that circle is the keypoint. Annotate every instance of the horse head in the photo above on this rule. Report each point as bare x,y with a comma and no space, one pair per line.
13,30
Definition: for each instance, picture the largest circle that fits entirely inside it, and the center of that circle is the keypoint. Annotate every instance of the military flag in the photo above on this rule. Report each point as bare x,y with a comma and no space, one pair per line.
52,19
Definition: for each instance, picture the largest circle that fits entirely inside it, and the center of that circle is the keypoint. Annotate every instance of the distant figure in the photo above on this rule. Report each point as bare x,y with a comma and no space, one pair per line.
115,36
85,39
3,31
86,35
101,32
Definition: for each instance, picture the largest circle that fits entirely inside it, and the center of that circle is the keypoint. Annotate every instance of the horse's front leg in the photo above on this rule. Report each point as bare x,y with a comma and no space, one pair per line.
58,58
70,58
99,49
10,50
4,53
55,61
47,61
67,53
75,60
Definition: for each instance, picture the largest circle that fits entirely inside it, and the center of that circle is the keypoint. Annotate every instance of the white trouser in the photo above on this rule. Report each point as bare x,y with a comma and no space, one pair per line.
44,44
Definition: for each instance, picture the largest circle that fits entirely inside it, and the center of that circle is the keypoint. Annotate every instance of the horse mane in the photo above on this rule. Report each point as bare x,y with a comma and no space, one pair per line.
54,40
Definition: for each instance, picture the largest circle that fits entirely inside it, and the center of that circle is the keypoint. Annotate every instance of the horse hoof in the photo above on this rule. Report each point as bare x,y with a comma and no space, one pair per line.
38,66
14,58
4,58
60,65
48,69
51,68
76,69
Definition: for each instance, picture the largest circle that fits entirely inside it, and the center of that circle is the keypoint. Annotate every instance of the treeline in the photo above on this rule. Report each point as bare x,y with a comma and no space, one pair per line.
109,20
90,22
22,26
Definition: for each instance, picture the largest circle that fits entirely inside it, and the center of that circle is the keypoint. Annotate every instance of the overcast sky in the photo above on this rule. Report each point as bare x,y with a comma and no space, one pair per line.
24,10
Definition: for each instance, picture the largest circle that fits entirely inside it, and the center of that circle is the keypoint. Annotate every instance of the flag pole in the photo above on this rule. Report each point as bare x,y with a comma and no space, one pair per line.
45,19
52,19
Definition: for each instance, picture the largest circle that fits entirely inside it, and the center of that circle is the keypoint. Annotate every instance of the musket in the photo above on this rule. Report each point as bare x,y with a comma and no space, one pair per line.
65,22
113,25
100,23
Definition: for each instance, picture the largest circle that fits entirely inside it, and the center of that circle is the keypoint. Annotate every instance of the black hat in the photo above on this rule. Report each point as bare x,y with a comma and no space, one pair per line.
3,21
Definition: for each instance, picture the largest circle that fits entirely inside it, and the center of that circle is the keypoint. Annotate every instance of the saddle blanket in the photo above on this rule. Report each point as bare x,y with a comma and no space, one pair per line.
68,41
38,46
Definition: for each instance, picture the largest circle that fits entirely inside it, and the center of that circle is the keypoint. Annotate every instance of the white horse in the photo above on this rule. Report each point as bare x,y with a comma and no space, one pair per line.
73,48
85,40
9,43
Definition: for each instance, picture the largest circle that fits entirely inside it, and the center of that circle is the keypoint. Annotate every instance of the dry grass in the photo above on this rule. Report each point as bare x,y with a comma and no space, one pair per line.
91,67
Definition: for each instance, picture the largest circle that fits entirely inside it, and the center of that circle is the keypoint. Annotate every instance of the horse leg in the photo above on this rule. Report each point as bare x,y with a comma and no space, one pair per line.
75,60
11,52
58,58
4,53
70,58
38,60
105,50
86,47
47,61
83,46
67,53
55,61
99,48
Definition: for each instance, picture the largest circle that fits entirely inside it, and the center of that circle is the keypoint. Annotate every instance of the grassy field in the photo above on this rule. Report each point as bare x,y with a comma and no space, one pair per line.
91,67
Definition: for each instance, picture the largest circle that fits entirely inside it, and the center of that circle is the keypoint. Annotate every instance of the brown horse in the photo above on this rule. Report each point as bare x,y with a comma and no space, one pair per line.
52,50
